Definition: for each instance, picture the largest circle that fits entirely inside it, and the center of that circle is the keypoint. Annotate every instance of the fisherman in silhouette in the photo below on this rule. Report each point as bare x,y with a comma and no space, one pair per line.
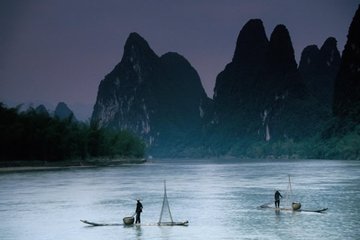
138,210
277,199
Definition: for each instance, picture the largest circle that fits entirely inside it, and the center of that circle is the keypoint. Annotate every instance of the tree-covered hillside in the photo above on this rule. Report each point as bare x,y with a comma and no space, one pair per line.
33,135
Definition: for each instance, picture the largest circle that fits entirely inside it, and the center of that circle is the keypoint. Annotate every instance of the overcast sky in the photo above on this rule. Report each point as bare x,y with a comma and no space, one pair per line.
60,50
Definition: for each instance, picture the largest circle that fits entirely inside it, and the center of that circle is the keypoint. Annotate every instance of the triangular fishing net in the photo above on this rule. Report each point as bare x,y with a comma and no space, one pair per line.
165,215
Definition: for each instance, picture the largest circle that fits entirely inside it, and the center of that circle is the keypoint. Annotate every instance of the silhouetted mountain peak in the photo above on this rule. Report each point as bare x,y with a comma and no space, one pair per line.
251,43
137,49
281,48
62,111
187,78
135,39
158,98
325,59
354,34
329,53
319,67
173,56
309,59
329,43
41,109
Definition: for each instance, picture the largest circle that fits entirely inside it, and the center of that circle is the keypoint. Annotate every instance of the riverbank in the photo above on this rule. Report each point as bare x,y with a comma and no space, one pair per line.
44,165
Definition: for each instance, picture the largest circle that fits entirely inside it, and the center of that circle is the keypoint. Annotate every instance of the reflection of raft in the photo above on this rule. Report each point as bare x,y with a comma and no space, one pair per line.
296,206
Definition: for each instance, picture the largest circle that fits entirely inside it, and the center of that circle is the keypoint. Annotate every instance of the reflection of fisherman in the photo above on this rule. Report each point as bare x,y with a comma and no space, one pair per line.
277,199
138,210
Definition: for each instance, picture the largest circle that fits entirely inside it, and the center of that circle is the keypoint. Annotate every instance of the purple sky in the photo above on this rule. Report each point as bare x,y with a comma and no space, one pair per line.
60,50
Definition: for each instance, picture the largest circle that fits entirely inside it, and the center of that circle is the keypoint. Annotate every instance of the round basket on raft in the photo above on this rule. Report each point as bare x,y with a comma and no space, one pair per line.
296,205
128,220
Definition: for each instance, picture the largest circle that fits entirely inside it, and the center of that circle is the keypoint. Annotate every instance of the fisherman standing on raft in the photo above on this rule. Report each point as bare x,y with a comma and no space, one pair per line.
277,199
138,210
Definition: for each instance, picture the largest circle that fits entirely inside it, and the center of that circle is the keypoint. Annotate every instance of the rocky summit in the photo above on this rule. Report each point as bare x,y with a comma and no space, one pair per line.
62,111
160,99
260,95
319,68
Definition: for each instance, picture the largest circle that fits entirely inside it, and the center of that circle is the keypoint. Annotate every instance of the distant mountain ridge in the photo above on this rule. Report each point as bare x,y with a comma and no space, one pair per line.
261,98
260,95
62,111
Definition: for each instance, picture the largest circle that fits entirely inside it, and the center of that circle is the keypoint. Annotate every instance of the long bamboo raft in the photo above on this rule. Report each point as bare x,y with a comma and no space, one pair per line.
129,221
295,206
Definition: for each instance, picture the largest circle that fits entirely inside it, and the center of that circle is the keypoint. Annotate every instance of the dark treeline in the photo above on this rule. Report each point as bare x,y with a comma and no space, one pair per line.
31,135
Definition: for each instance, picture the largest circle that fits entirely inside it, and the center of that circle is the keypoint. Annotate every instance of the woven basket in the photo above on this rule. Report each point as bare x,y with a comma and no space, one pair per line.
128,220
296,205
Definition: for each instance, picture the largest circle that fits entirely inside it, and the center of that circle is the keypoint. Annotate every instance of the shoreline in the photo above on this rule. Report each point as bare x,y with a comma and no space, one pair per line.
41,165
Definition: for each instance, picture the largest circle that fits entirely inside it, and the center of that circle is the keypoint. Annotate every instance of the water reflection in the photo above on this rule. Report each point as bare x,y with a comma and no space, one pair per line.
277,215
139,233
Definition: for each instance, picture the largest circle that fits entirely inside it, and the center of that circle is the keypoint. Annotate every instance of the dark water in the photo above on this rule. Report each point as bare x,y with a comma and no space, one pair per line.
219,198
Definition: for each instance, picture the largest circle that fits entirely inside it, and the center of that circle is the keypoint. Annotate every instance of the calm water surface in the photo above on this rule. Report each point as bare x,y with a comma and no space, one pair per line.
219,198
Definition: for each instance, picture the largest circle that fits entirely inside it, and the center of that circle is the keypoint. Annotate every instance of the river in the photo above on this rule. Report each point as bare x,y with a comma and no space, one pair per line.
219,198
